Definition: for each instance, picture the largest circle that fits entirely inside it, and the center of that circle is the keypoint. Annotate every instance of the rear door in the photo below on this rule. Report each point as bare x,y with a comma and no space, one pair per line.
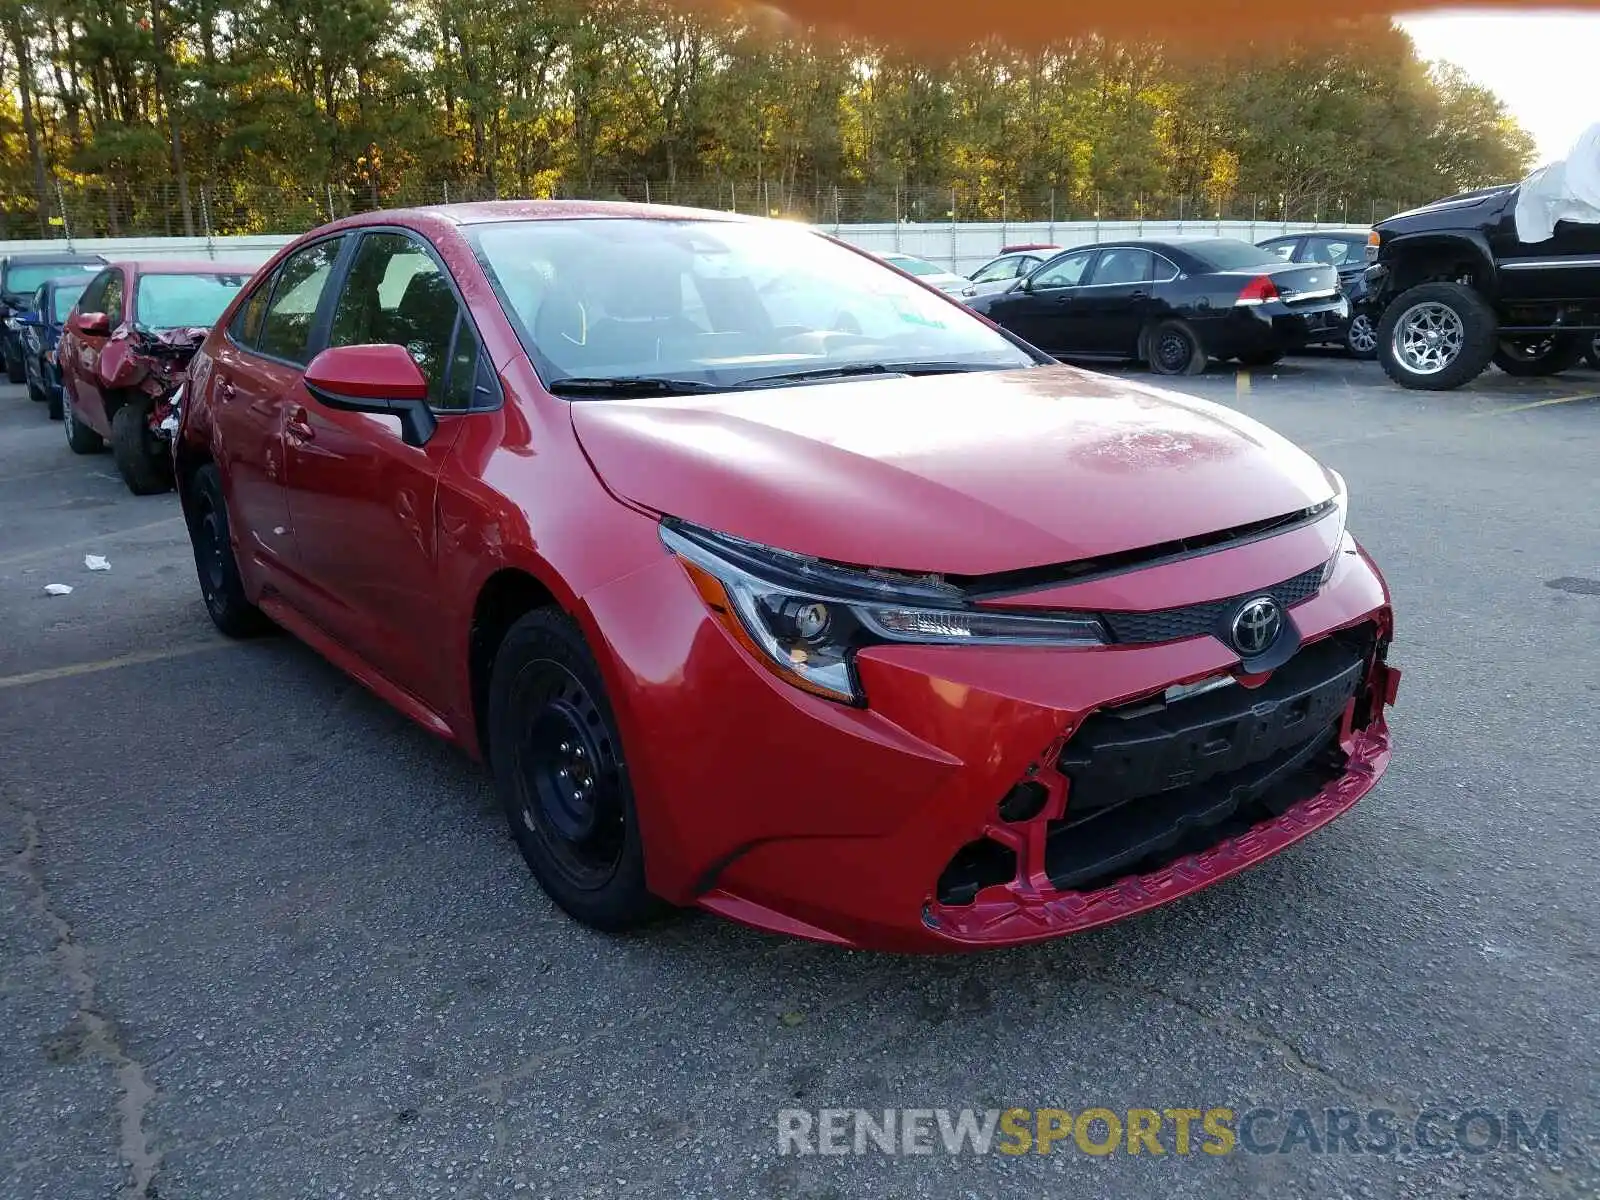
254,381
1041,312
1116,301
363,502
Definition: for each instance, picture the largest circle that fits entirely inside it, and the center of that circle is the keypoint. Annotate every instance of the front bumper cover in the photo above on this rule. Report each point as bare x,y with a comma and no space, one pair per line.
796,815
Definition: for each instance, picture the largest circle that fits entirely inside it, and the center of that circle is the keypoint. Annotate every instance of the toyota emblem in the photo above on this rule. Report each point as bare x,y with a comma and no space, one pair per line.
1256,625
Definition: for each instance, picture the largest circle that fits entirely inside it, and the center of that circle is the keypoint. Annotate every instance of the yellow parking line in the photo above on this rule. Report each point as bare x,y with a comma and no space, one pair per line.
109,664
1495,412
105,539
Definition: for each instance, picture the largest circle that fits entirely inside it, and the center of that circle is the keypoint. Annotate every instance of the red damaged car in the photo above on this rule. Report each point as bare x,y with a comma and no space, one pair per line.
124,350
769,580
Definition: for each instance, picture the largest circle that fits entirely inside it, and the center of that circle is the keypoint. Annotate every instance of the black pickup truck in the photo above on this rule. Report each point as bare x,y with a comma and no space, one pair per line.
1453,289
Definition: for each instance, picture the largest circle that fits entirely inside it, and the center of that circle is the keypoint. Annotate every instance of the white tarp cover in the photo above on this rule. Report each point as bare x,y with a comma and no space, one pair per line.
1566,190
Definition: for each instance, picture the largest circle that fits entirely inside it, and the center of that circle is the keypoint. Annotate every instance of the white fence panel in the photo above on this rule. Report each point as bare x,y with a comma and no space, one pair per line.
961,247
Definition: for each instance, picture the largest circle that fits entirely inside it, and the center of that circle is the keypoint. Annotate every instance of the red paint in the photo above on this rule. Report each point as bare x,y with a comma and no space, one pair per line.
368,373
757,800
93,354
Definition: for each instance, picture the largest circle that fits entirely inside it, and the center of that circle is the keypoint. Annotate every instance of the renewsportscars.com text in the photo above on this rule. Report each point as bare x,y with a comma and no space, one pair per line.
1181,1132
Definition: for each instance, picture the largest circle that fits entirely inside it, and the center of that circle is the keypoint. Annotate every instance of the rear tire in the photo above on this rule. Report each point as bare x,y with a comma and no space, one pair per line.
218,570
1436,337
557,760
80,437
1533,358
1173,348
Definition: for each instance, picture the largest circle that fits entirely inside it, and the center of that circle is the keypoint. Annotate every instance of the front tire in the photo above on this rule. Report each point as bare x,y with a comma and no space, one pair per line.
1436,337
138,452
1173,348
80,438
1592,354
1536,357
218,570
558,765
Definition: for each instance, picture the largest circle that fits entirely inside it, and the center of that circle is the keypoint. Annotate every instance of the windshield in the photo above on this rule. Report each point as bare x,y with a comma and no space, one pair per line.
914,266
181,301
66,296
1226,254
718,302
27,278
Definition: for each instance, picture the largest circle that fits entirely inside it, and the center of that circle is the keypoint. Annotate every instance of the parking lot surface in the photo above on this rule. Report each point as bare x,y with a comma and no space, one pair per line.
260,937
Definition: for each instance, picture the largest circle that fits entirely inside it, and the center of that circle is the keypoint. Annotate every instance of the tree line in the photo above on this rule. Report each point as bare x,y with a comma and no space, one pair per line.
269,115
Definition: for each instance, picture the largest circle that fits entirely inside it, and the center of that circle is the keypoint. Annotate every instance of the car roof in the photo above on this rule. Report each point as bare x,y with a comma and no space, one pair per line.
480,212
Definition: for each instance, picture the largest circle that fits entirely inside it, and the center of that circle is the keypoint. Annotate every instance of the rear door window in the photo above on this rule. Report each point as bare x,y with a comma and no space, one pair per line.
290,315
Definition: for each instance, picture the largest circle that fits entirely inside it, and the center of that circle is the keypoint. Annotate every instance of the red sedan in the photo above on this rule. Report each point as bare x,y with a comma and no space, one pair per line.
128,321
769,580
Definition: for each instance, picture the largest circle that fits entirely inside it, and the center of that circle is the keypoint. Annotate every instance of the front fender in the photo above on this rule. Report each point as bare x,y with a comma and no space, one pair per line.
1400,250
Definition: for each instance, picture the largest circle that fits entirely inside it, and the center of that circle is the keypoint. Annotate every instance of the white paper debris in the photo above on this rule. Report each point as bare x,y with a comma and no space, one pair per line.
1566,190
95,563
57,589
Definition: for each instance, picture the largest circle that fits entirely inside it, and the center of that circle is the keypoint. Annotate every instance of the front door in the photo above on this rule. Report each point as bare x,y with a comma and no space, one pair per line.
1042,310
106,294
363,503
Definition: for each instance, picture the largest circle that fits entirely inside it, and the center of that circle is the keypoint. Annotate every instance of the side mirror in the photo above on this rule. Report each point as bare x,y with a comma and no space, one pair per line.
374,379
96,324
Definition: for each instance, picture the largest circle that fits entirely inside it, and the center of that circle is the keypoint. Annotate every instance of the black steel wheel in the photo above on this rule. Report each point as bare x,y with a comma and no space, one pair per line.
559,769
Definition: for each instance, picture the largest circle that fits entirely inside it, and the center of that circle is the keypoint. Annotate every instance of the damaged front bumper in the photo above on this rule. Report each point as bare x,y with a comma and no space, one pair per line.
992,796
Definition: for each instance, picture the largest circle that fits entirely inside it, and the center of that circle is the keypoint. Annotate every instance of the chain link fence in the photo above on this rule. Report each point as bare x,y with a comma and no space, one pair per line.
222,208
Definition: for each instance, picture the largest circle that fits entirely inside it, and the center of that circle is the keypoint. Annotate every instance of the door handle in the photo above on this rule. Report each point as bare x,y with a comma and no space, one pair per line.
1141,294
298,427
225,390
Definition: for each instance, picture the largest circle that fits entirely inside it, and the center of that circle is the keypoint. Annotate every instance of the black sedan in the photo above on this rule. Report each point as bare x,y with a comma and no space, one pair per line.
1174,304
1348,251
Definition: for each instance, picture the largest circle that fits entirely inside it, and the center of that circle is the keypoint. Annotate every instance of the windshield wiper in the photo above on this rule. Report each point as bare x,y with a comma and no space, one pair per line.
850,370
629,385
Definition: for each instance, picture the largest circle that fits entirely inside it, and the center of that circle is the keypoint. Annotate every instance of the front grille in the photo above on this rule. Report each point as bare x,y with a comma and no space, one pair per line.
1195,620
1146,782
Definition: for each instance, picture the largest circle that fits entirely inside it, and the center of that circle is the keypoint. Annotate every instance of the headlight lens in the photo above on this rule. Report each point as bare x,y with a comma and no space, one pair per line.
804,619
1341,508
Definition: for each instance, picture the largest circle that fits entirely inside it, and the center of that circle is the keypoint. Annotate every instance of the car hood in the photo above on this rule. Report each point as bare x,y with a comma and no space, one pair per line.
962,474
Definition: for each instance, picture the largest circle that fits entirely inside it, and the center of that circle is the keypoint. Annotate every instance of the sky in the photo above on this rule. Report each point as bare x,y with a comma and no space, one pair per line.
1541,62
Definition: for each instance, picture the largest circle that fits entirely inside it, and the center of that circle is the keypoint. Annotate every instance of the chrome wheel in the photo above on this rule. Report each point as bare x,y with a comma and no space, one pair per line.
1428,337
1363,337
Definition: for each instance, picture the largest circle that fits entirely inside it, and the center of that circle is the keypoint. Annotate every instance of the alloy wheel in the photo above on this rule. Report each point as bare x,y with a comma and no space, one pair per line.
1428,337
1363,337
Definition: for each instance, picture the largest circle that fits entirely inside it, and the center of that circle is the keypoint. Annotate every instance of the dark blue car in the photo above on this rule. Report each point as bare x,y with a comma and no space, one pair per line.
40,333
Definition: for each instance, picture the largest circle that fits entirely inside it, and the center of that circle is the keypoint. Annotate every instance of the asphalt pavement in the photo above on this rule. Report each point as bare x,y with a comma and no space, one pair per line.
260,937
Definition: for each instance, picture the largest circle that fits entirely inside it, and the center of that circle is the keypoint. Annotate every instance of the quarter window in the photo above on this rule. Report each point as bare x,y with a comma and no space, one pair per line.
296,295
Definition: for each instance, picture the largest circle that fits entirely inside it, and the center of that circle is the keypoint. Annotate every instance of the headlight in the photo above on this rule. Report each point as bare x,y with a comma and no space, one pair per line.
1341,508
804,619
